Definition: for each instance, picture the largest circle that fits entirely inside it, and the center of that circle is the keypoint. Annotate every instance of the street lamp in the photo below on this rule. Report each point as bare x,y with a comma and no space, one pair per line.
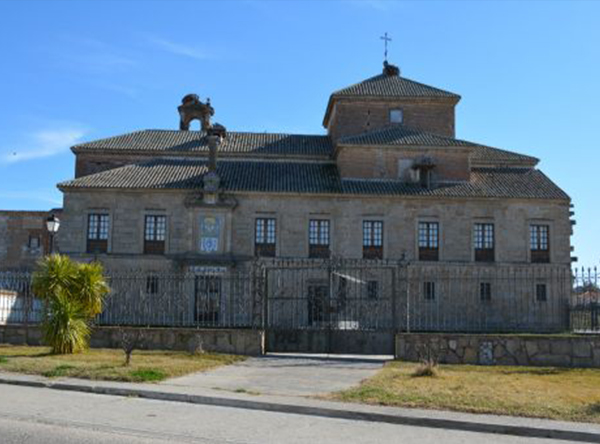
52,225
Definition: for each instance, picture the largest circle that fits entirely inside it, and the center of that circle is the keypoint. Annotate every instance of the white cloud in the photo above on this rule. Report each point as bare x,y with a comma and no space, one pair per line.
44,143
193,52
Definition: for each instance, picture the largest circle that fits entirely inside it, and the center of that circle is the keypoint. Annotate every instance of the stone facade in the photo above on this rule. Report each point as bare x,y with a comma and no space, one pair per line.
24,238
384,163
530,350
217,192
351,117
292,213
235,341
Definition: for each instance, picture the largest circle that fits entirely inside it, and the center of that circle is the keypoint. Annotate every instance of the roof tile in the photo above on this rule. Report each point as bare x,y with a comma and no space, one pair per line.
190,142
317,178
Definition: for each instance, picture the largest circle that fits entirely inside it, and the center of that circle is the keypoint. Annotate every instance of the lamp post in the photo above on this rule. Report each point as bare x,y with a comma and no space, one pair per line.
52,225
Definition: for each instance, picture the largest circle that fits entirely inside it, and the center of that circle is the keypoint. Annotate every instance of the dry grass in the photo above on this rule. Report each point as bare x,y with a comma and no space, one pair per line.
557,393
108,364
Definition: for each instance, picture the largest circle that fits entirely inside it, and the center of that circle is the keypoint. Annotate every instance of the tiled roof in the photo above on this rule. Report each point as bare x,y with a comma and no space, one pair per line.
384,85
387,86
400,135
189,142
317,178
485,155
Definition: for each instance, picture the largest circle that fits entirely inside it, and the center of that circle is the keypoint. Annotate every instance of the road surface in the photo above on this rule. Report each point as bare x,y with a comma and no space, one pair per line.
39,415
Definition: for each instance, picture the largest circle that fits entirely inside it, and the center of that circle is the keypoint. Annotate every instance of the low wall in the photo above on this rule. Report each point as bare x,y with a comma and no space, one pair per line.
235,341
331,341
533,350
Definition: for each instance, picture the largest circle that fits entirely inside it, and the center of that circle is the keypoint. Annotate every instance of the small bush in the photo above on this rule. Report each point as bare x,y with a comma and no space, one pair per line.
3,360
428,353
426,369
147,375
59,370
66,326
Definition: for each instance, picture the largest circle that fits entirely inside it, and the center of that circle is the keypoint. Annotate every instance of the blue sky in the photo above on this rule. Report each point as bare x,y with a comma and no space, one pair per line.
528,73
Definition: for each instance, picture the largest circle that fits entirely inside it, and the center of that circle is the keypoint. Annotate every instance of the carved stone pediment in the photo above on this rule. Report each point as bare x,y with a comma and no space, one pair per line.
198,200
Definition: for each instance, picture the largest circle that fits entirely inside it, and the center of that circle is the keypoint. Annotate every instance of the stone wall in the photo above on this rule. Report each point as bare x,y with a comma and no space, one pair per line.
235,341
382,162
16,229
354,116
292,213
532,350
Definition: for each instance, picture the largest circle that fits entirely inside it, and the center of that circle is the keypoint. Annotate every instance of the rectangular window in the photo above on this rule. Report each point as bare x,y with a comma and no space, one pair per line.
429,291
265,237
155,231
152,285
428,241
539,242
485,291
34,242
372,239
484,242
97,234
318,238
541,292
372,289
396,116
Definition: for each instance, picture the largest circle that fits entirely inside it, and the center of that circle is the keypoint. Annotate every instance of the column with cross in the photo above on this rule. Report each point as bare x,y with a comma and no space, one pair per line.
385,39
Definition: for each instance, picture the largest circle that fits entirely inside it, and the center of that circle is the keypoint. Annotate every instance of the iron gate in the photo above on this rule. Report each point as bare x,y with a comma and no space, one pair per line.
330,306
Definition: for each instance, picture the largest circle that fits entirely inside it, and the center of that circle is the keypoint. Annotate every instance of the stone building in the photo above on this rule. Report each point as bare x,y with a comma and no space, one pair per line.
389,180
24,238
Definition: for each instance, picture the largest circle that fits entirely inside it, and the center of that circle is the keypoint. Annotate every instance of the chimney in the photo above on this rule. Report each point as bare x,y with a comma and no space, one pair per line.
213,143
216,133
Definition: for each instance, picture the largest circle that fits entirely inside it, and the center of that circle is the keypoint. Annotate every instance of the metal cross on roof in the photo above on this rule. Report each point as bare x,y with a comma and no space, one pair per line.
386,39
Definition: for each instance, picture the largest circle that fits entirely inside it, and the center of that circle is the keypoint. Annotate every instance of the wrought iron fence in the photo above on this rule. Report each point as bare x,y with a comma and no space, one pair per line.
17,302
501,299
585,301
214,298
341,295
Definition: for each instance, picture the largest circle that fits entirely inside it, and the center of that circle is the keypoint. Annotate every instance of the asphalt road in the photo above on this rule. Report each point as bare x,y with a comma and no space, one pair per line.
37,415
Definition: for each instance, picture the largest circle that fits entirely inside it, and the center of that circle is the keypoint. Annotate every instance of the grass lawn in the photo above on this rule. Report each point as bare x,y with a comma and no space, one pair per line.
557,393
108,364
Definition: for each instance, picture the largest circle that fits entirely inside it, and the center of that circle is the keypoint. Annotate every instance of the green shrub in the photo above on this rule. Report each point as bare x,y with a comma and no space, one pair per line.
73,294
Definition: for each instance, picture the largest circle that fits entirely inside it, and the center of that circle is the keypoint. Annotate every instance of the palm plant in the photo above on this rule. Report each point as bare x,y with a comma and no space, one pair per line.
73,294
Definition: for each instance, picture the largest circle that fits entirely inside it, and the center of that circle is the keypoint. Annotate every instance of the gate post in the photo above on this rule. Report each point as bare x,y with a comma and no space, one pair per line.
264,277
407,278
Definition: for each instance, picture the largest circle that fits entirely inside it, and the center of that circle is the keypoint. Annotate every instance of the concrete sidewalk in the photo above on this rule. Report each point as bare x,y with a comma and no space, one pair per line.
525,427
283,374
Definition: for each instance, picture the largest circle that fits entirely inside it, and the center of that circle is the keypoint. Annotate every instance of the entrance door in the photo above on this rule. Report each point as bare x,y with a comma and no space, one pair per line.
312,308
207,300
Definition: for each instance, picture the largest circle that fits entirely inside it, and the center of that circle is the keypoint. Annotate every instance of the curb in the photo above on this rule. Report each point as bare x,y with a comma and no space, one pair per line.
521,431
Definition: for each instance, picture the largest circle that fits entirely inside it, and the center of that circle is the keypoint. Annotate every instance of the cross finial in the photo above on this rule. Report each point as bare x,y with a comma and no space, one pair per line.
385,39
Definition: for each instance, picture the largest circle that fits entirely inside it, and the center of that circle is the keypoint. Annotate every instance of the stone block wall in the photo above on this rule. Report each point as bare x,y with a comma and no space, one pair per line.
353,116
292,213
235,341
377,162
530,350
16,229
